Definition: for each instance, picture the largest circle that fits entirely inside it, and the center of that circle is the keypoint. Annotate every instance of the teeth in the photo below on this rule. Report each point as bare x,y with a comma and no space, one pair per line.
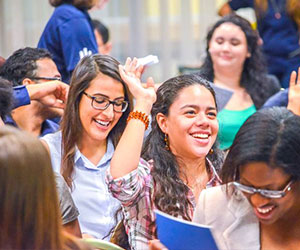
264,210
201,136
102,123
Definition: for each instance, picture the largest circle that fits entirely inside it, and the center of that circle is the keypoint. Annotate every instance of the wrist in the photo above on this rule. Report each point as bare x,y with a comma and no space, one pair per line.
143,106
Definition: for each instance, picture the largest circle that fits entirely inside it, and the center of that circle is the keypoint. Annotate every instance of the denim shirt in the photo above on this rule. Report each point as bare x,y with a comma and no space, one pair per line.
90,193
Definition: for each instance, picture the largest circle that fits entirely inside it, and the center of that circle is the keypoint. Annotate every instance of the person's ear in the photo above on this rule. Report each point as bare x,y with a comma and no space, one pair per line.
27,81
107,48
248,55
162,122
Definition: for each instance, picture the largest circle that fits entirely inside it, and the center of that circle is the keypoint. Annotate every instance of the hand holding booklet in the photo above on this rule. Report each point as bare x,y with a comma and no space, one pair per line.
177,234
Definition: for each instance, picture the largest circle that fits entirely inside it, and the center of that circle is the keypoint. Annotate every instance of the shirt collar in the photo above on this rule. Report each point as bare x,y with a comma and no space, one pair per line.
103,162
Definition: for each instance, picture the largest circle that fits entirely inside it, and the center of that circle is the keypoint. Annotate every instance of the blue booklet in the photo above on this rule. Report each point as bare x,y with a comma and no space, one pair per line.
177,234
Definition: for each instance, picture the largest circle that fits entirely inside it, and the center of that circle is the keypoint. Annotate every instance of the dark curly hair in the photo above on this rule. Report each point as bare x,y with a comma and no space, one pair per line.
254,77
22,64
170,195
6,97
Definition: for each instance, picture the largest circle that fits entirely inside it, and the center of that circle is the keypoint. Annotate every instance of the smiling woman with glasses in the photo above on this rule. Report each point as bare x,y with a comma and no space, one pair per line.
259,205
90,129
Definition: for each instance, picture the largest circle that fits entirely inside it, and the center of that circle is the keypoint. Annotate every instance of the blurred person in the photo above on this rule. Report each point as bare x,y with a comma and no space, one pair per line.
278,23
68,209
102,37
29,214
175,166
234,61
6,99
69,34
289,98
25,67
94,119
2,60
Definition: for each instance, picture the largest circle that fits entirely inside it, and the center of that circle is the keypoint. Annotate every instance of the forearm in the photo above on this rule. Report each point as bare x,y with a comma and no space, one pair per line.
128,151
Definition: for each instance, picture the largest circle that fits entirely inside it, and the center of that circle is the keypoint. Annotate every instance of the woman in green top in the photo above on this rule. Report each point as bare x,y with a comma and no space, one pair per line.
234,61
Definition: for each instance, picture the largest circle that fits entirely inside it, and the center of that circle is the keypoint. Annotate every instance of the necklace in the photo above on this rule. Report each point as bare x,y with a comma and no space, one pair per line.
277,9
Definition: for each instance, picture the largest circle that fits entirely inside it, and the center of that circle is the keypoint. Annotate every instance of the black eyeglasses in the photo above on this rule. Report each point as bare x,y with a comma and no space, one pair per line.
46,78
271,194
102,103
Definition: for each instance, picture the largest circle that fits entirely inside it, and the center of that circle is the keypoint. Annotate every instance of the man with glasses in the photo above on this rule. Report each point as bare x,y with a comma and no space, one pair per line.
25,67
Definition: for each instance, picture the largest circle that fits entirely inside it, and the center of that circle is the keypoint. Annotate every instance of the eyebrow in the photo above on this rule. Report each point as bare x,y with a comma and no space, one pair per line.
97,94
196,107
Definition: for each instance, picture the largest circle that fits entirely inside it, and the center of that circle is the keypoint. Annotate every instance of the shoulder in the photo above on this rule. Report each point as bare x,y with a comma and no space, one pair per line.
279,99
67,12
52,137
273,82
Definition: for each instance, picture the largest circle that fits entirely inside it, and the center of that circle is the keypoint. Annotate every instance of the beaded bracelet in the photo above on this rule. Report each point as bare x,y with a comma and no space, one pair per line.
140,116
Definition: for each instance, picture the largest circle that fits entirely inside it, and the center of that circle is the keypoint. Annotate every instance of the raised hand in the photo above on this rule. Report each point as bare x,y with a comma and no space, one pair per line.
53,93
144,94
294,93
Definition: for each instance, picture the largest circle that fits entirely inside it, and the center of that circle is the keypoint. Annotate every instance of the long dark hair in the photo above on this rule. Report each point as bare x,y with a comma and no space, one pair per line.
254,75
271,136
87,70
170,193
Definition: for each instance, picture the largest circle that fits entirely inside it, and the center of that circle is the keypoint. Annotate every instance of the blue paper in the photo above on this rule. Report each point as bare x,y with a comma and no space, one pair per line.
177,234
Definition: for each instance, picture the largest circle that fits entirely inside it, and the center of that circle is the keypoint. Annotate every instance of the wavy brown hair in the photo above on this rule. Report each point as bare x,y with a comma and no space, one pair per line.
170,195
80,4
87,70
292,8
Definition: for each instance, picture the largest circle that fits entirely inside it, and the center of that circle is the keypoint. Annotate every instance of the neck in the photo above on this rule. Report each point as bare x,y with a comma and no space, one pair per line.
192,171
28,118
93,150
227,78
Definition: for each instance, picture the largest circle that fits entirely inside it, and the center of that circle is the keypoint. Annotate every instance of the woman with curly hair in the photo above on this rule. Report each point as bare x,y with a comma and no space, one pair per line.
175,166
278,23
234,61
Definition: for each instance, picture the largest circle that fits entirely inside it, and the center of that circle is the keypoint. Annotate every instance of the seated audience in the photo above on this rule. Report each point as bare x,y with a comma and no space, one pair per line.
259,206
31,66
234,61
68,209
29,214
94,119
176,165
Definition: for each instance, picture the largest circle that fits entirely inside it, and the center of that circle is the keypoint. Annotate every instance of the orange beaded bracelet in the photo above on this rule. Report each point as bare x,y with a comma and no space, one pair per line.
140,116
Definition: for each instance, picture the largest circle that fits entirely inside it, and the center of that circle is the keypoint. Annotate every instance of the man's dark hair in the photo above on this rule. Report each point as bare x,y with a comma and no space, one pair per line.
22,64
102,29
6,97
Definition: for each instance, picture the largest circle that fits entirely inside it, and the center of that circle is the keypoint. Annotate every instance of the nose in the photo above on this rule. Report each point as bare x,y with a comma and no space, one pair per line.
109,111
257,200
202,120
226,46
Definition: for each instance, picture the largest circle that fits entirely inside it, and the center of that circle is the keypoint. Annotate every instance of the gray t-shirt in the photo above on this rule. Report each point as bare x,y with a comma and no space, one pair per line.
69,211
